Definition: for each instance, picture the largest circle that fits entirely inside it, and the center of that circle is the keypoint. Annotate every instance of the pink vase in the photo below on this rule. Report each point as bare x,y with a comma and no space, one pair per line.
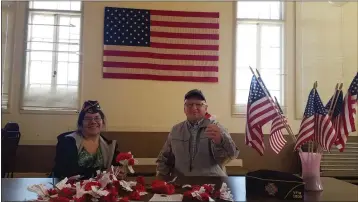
311,163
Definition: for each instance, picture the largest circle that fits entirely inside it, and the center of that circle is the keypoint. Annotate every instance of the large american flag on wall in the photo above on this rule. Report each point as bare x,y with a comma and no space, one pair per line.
161,45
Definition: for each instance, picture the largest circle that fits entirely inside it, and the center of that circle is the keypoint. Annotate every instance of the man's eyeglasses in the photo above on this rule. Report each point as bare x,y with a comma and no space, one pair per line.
197,105
96,119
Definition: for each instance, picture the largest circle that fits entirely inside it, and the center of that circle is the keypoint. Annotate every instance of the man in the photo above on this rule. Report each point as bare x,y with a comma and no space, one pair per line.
198,146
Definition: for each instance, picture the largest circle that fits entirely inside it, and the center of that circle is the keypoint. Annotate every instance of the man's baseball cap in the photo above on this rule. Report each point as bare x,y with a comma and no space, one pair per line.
195,93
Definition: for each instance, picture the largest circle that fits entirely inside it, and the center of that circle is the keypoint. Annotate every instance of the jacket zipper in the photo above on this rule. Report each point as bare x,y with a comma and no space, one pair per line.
196,142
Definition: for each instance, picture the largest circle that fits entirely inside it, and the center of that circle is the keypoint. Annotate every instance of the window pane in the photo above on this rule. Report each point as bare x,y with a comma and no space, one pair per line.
73,73
277,94
243,78
67,73
35,95
41,28
56,5
271,36
40,56
69,34
40,72
70,28
271,50
270,58
241,96
67,47
62,73
246,45
68,57
40,46
259,9
271,78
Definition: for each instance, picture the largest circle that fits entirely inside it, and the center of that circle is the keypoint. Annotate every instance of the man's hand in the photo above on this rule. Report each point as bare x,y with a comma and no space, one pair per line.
213,132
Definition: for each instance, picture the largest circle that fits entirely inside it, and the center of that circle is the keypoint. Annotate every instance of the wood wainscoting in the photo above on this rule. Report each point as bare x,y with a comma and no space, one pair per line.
40,158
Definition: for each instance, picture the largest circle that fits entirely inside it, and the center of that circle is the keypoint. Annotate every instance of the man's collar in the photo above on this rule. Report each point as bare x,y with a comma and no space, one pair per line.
195,123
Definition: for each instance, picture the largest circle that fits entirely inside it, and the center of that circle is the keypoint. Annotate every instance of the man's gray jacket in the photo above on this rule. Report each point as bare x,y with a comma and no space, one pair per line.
209,160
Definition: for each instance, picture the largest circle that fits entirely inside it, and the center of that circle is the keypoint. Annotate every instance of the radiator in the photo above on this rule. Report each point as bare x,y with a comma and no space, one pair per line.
341,164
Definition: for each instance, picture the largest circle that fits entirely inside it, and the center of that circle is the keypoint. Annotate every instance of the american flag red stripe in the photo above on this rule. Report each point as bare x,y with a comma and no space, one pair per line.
306,131
337,124
183,46
185,13
262,111
161,56
276,139
159,67
254,138
185,35
184,24
347,120
325,133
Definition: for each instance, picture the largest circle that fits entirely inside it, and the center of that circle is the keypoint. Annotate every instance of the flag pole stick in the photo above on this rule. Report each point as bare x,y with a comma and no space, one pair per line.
310,143
335,95
289,130
268,95
338,90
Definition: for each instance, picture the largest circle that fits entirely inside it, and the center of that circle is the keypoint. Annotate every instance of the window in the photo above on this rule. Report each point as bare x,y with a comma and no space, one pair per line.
52,56
7,45
259,44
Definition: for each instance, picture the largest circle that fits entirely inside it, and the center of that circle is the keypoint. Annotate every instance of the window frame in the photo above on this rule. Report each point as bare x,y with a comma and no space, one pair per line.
240,110
48,110
13,7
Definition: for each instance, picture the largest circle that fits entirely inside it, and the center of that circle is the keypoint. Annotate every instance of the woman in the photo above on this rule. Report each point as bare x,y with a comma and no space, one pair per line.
85,151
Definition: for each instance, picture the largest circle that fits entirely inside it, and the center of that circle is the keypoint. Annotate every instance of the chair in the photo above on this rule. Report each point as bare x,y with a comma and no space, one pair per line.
10,138
62,135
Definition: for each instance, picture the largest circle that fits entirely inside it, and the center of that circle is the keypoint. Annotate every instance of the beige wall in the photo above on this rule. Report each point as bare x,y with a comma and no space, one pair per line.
135,105
327,48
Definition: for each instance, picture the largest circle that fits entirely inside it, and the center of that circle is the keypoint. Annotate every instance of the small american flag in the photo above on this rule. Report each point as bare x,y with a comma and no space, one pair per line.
261,107
336,116
276,139
307,125
260,110
348,114
255,138
161,45
316,124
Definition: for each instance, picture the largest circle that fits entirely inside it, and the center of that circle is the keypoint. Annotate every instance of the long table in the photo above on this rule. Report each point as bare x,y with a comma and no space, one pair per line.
15,189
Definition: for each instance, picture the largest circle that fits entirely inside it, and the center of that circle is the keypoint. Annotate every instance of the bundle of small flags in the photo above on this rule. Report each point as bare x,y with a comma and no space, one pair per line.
210,117
162,187
107,187
207,192
104,187
127,160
